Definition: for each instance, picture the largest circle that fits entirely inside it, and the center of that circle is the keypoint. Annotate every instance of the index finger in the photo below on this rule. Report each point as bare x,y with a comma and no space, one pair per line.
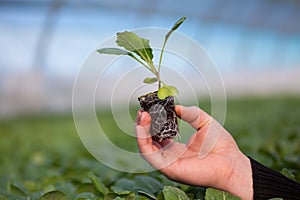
193,115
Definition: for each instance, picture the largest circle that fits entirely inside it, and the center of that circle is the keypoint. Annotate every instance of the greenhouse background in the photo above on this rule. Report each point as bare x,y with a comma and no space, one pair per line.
68,136
254,44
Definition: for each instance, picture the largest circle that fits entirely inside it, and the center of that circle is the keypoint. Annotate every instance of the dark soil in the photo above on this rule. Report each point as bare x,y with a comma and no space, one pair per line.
164,123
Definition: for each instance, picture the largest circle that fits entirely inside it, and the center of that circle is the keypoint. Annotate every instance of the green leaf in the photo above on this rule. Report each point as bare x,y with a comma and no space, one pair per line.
197,192
54,195
133,43
175,26
150,80
112,196
214,194
86,187
113,51
141,197
125,184
166,91
160,196
163,92
118,198
147,185
98,184
14,189
119,190
288,173
173,90
86,196
174,193
117,51
147,194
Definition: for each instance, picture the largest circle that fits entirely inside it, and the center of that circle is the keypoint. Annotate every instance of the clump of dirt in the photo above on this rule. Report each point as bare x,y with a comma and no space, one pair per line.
164,124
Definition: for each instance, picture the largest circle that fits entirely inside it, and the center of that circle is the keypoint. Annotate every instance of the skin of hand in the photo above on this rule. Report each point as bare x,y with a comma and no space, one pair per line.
224,167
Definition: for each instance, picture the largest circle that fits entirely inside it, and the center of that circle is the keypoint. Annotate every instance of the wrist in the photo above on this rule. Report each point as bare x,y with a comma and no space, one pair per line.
239,179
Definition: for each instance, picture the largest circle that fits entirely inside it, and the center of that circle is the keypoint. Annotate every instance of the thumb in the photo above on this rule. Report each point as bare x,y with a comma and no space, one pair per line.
193,115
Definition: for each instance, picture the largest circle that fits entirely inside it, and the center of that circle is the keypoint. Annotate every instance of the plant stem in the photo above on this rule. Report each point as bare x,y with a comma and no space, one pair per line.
141,62
156,73
151,68
159,80
160,56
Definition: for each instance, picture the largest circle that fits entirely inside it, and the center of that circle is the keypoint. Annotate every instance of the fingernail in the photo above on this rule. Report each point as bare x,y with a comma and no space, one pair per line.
138,117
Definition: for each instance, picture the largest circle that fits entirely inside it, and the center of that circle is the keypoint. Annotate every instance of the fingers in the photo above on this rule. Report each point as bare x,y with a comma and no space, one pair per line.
150,150
143,118
142,130
196,117
159,155
143,121
207,132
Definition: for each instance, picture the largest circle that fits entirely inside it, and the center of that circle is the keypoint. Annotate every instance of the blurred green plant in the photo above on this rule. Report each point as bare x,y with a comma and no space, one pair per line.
43,158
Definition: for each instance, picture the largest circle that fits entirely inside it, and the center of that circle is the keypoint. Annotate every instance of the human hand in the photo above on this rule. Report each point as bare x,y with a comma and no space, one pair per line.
223,165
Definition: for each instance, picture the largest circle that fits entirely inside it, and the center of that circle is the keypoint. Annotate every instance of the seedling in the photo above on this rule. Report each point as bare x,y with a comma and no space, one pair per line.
139,49
160,104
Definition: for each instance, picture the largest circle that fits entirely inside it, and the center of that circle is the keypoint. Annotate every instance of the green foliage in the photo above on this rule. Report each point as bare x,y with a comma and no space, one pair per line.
133,43
140,47
175,26
174,193
54,195
113,51
167,36
42,156
214,194
288,173
98,184
166,91
150,80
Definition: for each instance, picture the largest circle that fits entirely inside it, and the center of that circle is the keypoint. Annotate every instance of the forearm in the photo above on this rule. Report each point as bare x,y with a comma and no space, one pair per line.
252,180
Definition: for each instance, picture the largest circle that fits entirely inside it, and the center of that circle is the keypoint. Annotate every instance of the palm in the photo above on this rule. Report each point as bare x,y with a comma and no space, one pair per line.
220,156
202,157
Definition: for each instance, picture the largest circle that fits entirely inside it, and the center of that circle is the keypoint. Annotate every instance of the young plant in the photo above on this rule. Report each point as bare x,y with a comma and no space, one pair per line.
159,104
139,49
